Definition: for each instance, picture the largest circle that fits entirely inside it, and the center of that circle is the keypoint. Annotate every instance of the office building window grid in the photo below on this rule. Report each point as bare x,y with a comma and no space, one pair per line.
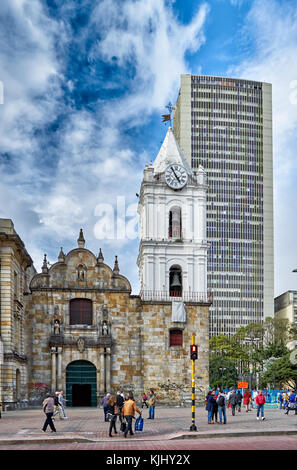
227,139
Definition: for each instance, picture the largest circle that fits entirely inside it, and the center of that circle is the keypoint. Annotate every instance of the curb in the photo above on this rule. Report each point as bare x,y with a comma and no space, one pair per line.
67,440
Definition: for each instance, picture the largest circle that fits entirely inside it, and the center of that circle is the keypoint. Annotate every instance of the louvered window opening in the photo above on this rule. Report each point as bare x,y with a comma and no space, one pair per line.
81,312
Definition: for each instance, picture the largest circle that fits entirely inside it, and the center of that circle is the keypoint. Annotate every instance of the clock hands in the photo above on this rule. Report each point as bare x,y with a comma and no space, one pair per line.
175,174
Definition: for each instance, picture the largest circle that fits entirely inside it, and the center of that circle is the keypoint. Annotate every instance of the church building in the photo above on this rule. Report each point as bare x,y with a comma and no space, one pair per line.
76,326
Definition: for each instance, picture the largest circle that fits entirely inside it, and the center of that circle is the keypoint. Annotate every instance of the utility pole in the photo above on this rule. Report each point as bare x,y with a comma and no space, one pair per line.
193,356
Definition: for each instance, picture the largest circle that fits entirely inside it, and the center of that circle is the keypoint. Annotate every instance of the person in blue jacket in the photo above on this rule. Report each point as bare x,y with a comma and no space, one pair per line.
292,403
210,399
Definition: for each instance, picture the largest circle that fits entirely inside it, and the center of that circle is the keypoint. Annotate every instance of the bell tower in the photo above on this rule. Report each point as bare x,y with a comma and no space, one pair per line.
172,257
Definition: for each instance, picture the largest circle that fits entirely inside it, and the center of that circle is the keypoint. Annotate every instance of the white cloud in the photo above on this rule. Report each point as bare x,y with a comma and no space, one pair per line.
92,162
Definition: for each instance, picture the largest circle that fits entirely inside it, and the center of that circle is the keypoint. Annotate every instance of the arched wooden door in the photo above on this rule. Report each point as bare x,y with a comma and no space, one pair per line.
81,384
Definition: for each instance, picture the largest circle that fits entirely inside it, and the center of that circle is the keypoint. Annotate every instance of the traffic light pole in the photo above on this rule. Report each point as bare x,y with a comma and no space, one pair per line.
193,426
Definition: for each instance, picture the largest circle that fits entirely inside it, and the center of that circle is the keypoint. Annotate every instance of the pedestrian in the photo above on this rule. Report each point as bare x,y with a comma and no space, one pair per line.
152,404
111,414
286,400
209,406
62,402
120,403
291,403
129,409
239,400
246,400
254,396
280,399
144,400
48,408
233,401
57,409
221,402
260,402
104,405
228,397
214,416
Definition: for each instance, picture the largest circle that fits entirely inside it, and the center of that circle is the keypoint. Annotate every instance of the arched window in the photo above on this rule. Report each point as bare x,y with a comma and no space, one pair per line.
81,312
175,338
175,223
175,281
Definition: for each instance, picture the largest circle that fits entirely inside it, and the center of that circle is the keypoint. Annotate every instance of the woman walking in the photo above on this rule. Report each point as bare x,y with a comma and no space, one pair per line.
110,411
246,400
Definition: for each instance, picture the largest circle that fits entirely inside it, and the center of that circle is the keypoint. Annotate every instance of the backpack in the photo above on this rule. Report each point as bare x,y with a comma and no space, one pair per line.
56,401
221,400
261,399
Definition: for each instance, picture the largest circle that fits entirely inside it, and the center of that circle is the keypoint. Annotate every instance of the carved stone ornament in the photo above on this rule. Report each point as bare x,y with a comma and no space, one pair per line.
81,344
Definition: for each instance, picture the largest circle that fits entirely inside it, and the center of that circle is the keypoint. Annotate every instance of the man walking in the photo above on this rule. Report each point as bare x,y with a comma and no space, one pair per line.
260,402
129,409
233,401
221,401
57,409
48,408
61,401
239,400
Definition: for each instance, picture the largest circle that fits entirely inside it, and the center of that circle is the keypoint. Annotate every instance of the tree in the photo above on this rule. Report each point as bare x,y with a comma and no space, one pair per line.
282,371
222,372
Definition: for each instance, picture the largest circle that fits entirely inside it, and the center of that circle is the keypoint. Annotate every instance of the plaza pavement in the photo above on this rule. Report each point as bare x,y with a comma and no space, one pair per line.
86,425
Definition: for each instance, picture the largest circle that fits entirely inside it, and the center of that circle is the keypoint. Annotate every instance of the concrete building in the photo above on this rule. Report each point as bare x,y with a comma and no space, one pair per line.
75,325
225,125
285,307
16,271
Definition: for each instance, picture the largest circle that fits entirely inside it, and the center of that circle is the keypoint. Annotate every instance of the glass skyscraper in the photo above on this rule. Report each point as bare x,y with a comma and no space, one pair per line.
225,125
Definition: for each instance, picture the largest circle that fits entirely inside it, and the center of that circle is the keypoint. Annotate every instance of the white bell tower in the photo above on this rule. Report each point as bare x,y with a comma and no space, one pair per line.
172,257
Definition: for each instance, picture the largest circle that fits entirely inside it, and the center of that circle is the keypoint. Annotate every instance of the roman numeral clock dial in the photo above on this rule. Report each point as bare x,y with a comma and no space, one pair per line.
176,176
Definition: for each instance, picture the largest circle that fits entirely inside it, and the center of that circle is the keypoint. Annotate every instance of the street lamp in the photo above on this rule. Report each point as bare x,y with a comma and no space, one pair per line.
252,340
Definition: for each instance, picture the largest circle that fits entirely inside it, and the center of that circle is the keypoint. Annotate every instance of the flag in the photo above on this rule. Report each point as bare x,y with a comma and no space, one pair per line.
166,117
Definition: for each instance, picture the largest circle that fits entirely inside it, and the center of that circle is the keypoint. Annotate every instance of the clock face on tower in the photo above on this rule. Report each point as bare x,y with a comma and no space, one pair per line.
176,176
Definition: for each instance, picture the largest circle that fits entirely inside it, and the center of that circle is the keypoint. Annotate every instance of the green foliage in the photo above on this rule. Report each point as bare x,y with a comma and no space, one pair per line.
281,372
222,372
273,335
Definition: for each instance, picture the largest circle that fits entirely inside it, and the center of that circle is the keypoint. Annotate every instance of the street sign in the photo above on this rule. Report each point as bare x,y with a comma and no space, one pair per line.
242,385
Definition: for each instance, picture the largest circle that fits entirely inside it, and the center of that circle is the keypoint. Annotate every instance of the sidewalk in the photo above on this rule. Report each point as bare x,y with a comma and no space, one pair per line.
87,425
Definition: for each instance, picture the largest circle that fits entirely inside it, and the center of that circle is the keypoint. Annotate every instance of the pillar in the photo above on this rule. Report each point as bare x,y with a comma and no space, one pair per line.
54,369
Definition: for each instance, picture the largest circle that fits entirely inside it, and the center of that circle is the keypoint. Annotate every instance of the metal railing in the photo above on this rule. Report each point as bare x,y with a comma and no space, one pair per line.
189,296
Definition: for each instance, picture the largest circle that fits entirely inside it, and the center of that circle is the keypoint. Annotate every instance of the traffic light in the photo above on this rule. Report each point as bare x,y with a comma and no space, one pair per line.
194,352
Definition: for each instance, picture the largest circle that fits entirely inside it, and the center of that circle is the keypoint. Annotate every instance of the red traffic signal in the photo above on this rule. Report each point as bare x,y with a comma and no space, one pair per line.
194,352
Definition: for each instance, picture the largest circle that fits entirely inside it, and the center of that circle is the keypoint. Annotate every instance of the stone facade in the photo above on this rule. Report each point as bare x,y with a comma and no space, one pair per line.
16,270
127,341
76,326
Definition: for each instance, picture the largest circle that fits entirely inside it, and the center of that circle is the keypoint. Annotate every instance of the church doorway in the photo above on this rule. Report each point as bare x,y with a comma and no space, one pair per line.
81,384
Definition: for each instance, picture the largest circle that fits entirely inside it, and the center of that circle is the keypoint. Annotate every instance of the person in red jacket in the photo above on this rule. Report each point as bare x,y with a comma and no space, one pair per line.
260,402
246,400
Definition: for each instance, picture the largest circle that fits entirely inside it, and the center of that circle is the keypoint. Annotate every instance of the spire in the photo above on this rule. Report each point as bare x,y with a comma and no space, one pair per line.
116,269
61,256
44,268
100,258
170,153
81,240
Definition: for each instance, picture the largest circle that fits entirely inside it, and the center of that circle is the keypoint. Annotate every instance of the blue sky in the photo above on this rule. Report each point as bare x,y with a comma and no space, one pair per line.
85,83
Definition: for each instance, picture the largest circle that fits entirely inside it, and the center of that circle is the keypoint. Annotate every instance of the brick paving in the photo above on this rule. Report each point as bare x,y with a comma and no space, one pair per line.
85,429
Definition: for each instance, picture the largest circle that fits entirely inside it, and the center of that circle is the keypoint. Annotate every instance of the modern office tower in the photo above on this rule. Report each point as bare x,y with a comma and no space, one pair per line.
225,125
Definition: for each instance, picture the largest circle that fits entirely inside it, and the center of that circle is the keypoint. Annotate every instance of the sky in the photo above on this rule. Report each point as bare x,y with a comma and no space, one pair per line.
83,85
